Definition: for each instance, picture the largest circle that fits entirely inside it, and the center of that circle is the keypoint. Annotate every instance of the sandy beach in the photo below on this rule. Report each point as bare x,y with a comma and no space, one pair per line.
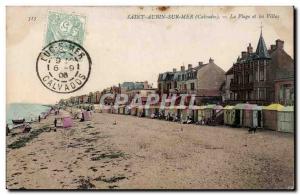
126,152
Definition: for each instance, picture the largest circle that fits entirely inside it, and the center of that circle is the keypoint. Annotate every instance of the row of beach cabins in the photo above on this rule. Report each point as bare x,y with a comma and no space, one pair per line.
273,117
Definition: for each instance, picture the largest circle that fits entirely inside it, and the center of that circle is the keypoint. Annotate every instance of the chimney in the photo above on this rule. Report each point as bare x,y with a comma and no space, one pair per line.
250,48
244,54
200,63
211,60
273,47
279,44
174,69
190,66
182,68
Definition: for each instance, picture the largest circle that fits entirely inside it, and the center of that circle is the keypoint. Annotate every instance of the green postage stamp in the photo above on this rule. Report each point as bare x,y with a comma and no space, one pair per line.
62,26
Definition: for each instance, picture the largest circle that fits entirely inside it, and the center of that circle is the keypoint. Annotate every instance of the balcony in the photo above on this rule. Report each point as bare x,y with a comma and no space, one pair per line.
248,86
241,86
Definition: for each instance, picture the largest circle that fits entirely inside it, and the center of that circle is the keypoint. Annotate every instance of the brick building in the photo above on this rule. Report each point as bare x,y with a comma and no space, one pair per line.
264,76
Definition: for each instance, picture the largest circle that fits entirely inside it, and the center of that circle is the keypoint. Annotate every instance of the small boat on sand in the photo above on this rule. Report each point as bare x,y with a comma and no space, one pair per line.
18,121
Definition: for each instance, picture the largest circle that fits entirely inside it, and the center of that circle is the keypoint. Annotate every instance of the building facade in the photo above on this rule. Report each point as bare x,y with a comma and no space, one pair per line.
257,76
203,80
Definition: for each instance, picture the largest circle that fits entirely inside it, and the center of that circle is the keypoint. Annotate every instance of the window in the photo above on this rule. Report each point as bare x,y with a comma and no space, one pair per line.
246,78
175,84
239,79
261,62
231,96
169,86
261,73
192,86
286,93
262,94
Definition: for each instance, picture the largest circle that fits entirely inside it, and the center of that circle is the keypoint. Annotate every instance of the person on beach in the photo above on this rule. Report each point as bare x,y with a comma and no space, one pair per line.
82,117
27,128
55,122
39,118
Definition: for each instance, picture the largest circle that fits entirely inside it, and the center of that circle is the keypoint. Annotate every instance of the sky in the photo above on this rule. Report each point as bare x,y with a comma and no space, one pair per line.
123,49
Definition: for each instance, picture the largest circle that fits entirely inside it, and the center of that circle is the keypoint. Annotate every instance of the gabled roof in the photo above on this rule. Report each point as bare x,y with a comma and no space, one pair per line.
261,50
230,71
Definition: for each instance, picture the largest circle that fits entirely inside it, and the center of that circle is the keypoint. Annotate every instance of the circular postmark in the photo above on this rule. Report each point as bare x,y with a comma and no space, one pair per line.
63,66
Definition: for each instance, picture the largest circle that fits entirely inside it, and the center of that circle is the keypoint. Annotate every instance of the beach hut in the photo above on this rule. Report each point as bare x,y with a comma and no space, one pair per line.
147,112
127,110
121,109
177,112
87,115
152,109
183,113
286,119
252,115
270,116
169,113
106,108
194,113
115,109
246,115
217,117
161,113
210,112
232,116
140,111
201,115
228,112
133,110
190,114
166,112
257,117
97,108
67,122
238,115
173,112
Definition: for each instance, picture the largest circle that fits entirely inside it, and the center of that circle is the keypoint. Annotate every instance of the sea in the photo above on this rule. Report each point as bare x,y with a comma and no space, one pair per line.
24,110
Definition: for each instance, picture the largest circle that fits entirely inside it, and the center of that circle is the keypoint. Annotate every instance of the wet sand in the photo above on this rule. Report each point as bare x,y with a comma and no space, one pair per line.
126,152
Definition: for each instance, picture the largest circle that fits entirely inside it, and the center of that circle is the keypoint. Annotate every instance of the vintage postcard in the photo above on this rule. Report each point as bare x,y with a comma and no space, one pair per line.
160,97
